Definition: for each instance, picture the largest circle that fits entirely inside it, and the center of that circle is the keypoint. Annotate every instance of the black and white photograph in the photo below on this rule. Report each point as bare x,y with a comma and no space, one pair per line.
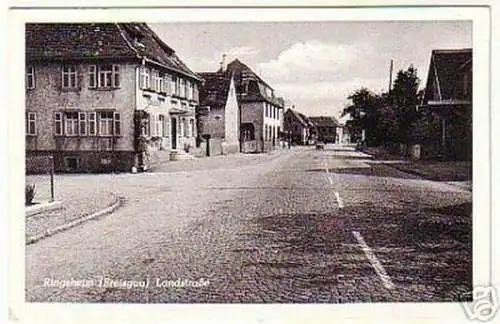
253,161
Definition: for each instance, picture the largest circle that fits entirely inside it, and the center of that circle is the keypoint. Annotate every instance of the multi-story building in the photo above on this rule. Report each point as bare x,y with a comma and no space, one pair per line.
260,110
100,94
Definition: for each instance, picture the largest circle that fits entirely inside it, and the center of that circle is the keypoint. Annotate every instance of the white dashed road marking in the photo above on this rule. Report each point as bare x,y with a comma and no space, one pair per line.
379,269
339,200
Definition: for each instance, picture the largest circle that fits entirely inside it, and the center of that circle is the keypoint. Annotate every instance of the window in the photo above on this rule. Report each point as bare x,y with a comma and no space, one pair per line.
182,85
265,132
58,128
71,123
69,77
30,77
177,85
161,125
195,92
82,121
106,123
187,88
167,86
160,82
145,78
30,123
104,76
92,124
191,126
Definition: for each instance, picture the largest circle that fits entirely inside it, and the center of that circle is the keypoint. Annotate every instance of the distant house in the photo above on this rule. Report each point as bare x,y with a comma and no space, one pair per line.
343,135
326,127
98,95
448,100
299,127
219,117
260,110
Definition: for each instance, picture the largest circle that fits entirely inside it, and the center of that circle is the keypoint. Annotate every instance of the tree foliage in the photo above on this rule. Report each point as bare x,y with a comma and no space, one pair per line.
386,117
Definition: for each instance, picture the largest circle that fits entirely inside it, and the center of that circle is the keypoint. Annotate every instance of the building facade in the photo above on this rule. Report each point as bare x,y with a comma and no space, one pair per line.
299,128
100,97
326,127
448,105
260,111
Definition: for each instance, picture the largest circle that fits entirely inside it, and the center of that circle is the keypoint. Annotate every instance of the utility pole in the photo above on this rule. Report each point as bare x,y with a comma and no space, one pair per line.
390,77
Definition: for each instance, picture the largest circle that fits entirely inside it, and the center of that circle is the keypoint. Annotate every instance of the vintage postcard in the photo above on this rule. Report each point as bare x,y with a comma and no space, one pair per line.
303,162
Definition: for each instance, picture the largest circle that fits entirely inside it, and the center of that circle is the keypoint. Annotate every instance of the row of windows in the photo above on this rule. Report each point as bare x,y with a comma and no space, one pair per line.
271,111
155,80
156,126
271,132
79,123
107,76
104,76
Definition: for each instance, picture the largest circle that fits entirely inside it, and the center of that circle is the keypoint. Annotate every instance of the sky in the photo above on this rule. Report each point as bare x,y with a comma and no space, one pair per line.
316,65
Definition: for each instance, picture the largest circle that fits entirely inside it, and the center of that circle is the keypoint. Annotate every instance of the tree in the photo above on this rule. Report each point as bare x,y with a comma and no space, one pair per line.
405,97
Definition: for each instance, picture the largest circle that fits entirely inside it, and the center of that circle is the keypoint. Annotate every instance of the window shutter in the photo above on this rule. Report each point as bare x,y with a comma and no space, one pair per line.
117,124
116,76
58,127
82,123
92,124
92,76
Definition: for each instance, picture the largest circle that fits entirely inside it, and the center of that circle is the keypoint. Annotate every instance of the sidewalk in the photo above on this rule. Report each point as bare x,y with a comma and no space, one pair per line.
215,162
458,173
77,202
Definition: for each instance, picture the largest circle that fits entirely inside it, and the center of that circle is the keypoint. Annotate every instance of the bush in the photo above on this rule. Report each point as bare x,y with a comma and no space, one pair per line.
30,194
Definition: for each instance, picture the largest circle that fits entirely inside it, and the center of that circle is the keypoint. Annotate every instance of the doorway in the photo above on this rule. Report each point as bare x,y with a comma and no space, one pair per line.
174,133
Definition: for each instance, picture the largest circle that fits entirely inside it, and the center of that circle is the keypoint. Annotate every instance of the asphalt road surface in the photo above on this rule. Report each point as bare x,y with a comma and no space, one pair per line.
298,226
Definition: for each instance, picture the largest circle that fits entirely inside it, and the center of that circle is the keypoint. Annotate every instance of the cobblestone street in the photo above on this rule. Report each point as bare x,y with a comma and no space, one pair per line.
300,226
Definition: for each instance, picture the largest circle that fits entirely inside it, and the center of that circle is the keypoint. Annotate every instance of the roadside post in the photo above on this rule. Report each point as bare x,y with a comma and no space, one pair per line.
51,170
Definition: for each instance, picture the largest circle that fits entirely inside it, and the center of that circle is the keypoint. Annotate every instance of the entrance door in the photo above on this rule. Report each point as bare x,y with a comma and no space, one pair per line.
174,133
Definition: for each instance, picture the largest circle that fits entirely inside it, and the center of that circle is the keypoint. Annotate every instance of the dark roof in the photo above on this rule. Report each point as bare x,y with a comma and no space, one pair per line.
301,118
215,89
242,72
322,121
70,41
239,68
448,64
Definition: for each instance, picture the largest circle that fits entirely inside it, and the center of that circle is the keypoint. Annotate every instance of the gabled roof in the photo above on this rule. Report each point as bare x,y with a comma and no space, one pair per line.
446,68
239,68
301,118
215,89
88,41
325,121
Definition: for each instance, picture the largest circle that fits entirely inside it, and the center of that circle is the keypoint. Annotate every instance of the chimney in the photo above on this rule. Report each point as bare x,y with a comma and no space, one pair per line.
223,63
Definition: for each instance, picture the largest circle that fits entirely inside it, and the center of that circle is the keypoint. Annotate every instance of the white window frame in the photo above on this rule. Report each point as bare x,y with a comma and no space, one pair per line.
71,124
92,123
58,120
69,77
106,123
30,77
31,123
146,78
167,83
82,123
92,73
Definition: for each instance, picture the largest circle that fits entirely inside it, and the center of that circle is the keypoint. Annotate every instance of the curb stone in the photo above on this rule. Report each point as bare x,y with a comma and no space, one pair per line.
42,208
108,210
